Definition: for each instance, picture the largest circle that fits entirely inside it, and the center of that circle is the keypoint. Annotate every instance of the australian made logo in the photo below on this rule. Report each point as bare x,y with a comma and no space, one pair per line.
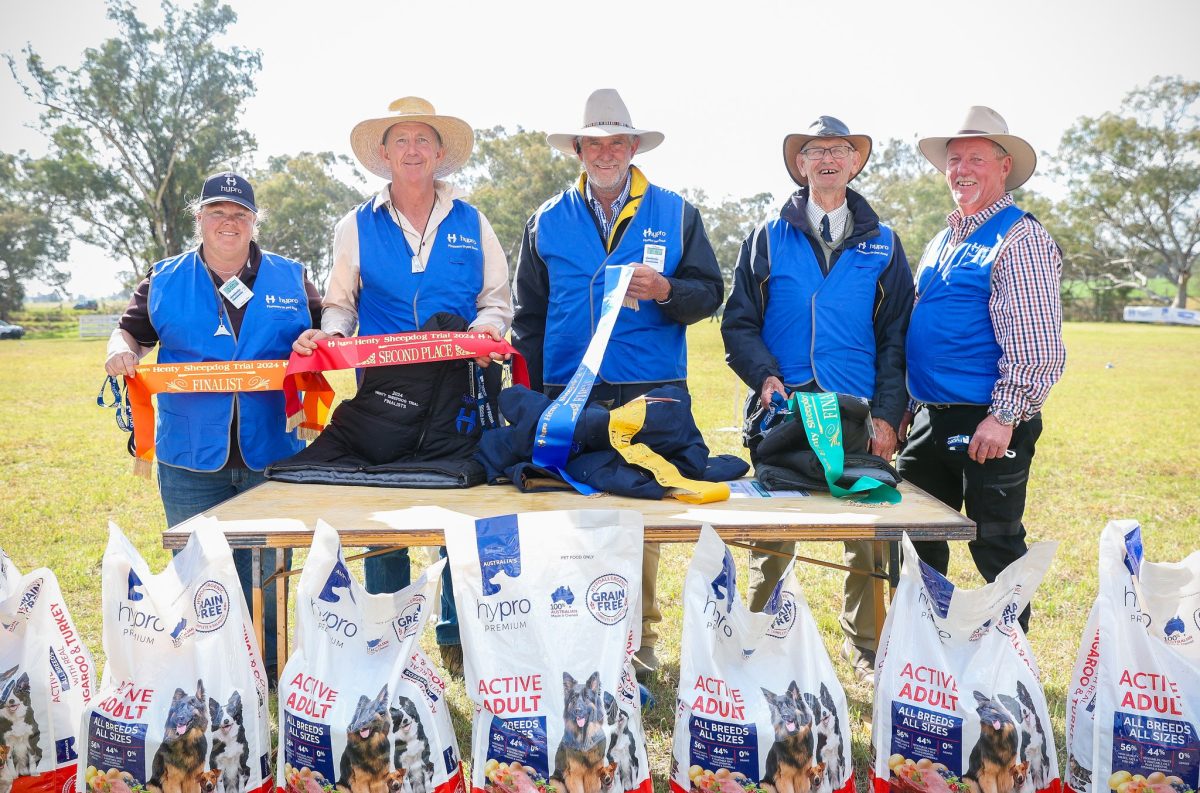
212,606
608,598
1175,632
377,645
562,602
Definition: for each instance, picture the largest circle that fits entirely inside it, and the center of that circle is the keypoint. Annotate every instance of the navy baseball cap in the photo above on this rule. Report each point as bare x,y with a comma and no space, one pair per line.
228,186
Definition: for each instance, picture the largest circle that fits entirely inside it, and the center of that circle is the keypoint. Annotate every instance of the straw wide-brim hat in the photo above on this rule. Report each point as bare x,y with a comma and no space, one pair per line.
605,115
983,122
457,137
823,127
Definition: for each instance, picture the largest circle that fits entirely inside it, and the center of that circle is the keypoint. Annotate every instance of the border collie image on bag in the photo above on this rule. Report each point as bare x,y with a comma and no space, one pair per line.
181,756
230,754
19,731
411,758
828,729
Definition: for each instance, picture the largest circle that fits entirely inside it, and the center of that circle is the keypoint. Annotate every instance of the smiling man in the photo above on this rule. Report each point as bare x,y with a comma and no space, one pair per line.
613,216
985,345
414,249
820,302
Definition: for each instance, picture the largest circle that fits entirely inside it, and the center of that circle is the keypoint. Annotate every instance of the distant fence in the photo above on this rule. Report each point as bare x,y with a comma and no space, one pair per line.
93,325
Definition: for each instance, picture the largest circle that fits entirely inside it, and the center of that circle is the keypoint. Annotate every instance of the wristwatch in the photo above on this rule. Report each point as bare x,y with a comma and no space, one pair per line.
1004,416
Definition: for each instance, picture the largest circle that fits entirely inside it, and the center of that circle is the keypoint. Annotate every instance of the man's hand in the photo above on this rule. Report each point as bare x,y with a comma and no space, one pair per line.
884,442
494,332
308,341
905,426
990,440
648,284
121,364
771,385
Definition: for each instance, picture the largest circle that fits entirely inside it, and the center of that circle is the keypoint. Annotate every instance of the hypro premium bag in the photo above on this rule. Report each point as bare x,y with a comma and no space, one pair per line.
182,703
550,608
1133,705
959,706
759,703
46,679
361,708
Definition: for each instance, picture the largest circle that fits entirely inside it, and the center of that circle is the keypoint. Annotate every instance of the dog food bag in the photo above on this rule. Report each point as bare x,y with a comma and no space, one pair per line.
760,707
959,706
1133,704
360,705
550,610
46,679
182,703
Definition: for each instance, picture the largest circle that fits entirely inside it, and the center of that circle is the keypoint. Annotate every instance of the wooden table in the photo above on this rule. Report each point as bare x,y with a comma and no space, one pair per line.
281,515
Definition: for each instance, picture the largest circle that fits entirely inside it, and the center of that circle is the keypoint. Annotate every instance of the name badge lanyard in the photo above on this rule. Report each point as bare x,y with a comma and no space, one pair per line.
556,426
415,263
120,401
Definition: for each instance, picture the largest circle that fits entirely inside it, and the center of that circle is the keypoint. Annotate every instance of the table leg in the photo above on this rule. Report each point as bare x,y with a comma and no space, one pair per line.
256,594
877,585
281,611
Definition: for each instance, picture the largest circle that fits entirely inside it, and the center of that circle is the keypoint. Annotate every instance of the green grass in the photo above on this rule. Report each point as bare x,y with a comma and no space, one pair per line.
1120,440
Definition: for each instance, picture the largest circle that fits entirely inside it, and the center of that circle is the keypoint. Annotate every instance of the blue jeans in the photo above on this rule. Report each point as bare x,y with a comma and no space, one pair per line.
188,493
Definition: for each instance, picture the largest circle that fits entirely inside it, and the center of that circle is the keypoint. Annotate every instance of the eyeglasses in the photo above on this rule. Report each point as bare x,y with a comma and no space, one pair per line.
817,153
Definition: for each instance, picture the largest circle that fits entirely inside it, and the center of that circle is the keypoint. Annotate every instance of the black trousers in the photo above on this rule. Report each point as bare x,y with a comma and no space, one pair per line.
993,493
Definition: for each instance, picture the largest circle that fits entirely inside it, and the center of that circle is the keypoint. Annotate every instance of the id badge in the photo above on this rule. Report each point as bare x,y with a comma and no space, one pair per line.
654,256
417,265
237,293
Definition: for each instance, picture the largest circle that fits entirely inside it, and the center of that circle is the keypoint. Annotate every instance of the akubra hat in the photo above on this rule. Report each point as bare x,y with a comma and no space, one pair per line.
457,137
983,122
823,127
604,115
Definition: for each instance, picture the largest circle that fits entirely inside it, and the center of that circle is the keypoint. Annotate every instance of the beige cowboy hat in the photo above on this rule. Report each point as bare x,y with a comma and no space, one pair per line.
604,115
457,137
983,122
823,127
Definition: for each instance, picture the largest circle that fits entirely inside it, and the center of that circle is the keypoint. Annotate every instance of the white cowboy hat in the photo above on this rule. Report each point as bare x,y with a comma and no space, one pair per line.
604,115
457,137
983,122
824,127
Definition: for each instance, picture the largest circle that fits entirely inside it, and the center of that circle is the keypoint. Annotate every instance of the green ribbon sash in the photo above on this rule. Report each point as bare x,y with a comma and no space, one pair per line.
823,425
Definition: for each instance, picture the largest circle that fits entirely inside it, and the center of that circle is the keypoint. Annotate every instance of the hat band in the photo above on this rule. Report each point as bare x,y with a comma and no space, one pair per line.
621,124
979,132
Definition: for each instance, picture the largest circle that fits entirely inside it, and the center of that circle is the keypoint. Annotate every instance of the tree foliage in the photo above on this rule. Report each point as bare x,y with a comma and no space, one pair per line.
31,245
907,193
1134,181
728,223
302,200
510,175
135,128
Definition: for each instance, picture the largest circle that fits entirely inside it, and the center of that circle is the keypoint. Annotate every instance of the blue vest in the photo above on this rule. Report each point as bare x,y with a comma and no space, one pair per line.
953,357
391,299
821,327
185,309
646,346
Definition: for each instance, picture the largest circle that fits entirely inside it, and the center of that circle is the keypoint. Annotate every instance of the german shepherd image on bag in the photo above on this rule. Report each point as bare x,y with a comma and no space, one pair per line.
995,753
580,765
791,767
367,758
181,756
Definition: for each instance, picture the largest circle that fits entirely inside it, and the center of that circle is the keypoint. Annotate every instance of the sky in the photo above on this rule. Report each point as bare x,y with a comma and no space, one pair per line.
725,82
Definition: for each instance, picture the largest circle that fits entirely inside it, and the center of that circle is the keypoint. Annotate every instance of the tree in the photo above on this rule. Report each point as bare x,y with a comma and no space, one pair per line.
136,127
907,193
510,176
1134,181
30,242
302,200
728,223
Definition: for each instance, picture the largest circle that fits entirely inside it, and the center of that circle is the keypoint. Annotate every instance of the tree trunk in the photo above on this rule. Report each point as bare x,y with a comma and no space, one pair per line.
1181,296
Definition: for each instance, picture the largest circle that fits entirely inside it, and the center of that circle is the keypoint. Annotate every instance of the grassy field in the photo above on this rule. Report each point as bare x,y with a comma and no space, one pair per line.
1120,441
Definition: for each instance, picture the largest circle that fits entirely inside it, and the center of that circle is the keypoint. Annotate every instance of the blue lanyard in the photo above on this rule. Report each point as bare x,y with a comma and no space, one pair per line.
120,401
